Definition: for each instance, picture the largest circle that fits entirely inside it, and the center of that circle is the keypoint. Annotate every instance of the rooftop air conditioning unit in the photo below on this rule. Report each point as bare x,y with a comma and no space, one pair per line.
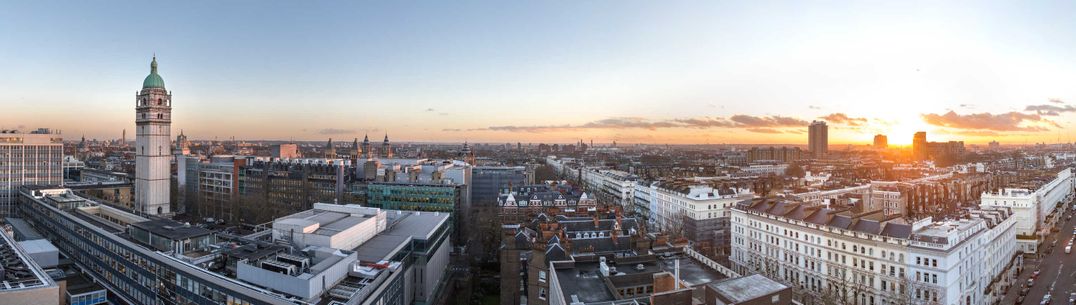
299,261
279,267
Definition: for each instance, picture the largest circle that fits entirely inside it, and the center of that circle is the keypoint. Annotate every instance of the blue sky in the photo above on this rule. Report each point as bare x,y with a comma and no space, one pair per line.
632,71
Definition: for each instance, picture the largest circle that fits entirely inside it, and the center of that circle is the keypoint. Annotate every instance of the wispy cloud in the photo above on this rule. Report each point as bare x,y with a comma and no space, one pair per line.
844,119
763,121
814,107
1057,101
763,130
747,122
1050,110
976,133
1010,121
334,131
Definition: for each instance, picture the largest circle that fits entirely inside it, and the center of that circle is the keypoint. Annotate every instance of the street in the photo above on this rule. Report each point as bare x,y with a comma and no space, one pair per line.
1057,269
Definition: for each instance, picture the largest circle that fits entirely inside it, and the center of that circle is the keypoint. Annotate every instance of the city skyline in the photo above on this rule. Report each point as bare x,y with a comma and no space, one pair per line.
728,73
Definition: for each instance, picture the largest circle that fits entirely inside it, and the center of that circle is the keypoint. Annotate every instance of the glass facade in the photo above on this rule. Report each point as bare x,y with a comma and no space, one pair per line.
413,197
488,182
91,298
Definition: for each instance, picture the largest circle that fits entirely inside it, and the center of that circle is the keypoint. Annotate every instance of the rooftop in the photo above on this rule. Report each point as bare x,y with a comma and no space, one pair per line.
171,229
271,271
403,227
746,288
19,271
582,277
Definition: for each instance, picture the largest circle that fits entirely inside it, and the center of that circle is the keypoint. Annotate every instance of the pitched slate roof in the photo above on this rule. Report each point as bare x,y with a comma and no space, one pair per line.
897,230
867,226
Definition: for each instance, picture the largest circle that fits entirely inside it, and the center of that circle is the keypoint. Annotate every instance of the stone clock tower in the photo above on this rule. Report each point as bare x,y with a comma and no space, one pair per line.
153,118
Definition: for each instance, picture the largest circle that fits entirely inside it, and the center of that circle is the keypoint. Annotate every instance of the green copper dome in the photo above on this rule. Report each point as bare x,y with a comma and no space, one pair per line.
153,80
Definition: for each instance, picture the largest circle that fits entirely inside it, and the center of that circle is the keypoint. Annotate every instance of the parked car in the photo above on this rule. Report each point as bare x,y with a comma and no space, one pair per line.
1045,300
1035,274
1030,282
1072,298
1068,249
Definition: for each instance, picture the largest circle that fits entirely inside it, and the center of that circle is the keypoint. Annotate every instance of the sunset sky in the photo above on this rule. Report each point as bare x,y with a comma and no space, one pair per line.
543,71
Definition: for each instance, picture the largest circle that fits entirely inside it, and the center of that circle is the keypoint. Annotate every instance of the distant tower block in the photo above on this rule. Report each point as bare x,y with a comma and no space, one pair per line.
818,139
153,110
881,141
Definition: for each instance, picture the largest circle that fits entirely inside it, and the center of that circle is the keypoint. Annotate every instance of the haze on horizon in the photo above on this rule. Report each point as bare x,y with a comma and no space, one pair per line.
484,71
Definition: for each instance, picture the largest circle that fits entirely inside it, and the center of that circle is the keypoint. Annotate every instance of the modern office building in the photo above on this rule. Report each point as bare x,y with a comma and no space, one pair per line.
488,181
153,145
28,159
444,198
818,139
414,196
22,281
330,254
835,255
72,166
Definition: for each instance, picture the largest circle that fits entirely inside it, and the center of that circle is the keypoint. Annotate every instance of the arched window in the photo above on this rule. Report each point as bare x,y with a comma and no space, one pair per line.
160,101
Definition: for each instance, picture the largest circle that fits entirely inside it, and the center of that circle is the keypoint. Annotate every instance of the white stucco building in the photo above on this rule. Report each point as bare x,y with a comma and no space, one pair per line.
828,255
610,186
1031,208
